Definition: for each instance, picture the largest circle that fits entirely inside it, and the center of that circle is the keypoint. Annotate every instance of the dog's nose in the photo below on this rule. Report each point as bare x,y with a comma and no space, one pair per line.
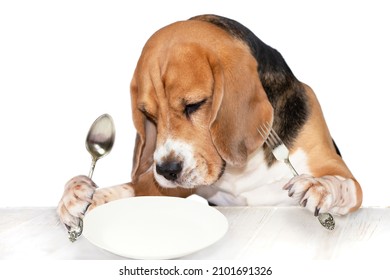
170,170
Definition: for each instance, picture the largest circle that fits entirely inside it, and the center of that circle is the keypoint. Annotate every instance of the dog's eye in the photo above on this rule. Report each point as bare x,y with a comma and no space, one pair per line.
191,108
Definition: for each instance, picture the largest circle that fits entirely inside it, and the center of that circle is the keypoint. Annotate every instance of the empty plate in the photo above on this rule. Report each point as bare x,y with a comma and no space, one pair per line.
154,227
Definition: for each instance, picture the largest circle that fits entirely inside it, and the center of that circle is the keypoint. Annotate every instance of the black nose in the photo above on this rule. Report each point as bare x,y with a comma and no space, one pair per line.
170,170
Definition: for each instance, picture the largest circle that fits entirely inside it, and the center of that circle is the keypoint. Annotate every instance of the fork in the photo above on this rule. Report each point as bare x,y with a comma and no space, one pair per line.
281,153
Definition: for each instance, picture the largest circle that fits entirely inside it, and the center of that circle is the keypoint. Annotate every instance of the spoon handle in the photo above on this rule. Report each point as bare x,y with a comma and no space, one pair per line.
93,163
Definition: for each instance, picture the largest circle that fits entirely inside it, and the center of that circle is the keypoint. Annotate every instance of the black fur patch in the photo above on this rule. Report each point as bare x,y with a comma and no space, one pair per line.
284,91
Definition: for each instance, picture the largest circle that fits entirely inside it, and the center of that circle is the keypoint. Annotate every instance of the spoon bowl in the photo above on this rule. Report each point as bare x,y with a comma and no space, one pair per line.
100,139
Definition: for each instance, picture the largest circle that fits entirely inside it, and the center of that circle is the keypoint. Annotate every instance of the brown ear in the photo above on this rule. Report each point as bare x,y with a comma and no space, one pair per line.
240,106
145,142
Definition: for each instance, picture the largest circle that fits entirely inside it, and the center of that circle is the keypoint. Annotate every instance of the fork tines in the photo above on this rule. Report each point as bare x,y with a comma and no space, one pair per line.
271,138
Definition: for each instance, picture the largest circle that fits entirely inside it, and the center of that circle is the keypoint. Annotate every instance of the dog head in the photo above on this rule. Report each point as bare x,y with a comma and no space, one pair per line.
197,102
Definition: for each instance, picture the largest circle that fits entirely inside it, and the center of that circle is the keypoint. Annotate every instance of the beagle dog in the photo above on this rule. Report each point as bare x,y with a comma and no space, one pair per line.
200,91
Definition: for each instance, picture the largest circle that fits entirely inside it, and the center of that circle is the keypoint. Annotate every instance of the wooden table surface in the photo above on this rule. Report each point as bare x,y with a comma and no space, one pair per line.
254,232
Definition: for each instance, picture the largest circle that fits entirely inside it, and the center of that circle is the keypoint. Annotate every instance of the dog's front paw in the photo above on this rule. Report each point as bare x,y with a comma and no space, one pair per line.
77,197
333,194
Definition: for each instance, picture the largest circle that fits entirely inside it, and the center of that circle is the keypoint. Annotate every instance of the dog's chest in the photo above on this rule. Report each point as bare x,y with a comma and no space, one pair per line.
256,183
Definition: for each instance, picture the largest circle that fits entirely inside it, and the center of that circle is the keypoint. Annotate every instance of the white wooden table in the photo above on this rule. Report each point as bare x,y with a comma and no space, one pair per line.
254,232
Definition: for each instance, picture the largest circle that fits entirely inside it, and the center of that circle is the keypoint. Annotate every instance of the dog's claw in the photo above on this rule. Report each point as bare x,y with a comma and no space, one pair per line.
317,211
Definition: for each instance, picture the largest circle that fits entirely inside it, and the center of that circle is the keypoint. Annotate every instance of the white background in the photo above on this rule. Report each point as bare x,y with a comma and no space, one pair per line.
63,63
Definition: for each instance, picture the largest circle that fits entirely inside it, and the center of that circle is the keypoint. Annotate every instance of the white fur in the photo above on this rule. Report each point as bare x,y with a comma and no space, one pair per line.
255,183
190,175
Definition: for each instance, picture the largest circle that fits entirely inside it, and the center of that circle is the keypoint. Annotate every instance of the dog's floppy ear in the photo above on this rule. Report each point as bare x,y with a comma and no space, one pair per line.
145,142
239,107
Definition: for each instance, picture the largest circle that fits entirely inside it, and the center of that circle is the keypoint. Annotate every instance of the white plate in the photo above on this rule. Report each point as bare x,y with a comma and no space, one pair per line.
151,227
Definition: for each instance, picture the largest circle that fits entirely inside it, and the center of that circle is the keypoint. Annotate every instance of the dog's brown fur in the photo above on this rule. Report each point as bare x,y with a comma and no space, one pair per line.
236,84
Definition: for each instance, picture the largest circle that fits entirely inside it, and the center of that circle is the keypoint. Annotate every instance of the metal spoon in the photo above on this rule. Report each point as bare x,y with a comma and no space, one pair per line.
99,142
100,139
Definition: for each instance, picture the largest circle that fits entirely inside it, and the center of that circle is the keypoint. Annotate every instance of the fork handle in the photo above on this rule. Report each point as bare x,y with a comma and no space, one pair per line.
287,161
